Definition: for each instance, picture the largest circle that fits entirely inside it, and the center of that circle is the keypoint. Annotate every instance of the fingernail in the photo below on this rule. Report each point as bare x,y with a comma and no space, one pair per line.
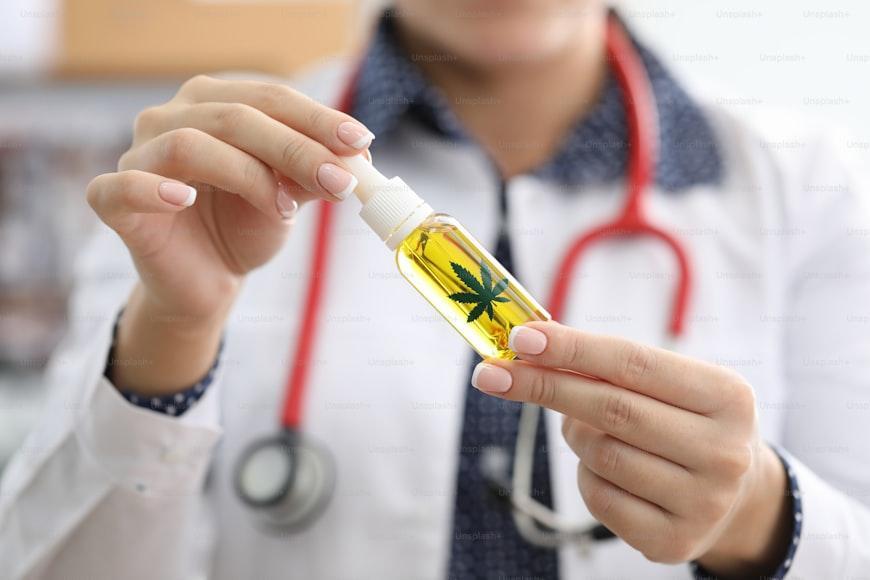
355,135
525,340
490,378
287,206
176,193
336,180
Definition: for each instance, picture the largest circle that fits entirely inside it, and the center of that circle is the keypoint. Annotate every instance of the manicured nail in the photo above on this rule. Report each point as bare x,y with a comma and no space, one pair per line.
525,340
355,135
336,180
287,206
490,378
176,193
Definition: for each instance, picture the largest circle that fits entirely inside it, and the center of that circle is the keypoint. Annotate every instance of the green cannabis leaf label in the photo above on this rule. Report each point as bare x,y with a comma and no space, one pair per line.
481,293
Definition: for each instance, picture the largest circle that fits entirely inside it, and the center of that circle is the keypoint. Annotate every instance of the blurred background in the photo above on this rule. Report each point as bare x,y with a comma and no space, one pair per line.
74,73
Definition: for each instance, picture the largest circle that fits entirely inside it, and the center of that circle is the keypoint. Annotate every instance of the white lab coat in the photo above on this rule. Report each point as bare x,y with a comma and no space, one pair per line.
781,250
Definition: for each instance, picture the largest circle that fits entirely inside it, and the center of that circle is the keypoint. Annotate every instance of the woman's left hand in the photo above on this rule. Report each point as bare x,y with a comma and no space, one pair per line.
671,459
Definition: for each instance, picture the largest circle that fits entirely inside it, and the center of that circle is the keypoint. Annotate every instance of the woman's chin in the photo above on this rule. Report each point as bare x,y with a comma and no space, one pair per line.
499,45
486,36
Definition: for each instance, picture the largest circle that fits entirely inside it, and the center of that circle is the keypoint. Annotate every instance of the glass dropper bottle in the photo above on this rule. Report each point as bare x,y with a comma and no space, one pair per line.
445,263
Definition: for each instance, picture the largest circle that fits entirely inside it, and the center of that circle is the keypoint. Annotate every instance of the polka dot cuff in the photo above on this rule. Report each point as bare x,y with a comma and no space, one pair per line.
175,404
700,573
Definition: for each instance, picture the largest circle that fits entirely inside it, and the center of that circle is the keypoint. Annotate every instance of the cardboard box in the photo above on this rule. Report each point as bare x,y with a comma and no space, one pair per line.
136,38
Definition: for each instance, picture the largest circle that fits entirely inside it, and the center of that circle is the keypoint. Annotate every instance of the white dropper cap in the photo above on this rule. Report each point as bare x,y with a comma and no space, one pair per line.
389,206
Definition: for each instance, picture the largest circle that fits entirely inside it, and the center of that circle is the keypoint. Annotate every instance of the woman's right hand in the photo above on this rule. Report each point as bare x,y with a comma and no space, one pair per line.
253,151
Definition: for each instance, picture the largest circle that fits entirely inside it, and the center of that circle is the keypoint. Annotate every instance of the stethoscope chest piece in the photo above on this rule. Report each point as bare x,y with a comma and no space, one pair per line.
287,480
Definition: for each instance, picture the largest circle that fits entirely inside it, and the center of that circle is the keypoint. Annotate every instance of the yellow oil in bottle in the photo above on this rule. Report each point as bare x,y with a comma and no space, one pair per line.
476,295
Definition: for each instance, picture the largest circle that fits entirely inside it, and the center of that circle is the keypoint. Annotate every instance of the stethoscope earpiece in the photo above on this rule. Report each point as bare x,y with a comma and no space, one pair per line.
287,480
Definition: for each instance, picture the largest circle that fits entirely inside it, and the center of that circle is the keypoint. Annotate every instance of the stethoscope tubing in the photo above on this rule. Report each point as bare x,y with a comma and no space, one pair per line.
641,117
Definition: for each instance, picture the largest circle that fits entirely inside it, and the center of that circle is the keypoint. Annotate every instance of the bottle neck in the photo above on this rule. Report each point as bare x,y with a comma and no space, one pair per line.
419,215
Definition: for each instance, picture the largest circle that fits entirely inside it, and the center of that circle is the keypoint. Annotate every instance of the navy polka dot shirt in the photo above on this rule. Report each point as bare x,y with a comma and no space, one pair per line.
391,88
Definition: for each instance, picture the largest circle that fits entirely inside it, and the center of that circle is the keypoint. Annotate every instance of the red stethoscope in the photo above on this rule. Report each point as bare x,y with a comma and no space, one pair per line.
288,479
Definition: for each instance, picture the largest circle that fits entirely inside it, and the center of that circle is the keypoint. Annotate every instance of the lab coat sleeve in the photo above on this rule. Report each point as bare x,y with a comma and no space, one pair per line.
102,488
826,329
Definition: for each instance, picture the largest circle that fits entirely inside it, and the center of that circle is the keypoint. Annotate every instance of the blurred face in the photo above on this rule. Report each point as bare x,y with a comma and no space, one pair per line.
487,33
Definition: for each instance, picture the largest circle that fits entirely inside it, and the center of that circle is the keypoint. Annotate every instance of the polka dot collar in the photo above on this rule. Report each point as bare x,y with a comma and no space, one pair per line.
392,88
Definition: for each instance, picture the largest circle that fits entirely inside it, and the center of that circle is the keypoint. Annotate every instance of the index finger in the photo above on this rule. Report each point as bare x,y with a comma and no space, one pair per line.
639,420
667,376
338,131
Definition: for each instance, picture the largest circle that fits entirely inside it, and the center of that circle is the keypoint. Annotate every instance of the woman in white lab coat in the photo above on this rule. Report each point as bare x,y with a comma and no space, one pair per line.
745,455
